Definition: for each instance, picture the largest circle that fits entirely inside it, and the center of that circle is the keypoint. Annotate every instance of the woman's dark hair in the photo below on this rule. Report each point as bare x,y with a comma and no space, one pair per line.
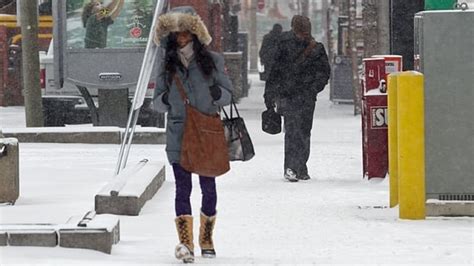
201,54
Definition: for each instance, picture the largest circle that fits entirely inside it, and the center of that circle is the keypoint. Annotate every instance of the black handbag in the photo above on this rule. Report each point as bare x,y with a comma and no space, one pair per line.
271,122
238,139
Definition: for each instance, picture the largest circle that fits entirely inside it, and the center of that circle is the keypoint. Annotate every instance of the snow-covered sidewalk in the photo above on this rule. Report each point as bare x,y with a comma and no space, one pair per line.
335,218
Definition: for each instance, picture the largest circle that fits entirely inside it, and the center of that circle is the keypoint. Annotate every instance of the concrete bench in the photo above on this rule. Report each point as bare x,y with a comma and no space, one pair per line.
9,170
126,193
99,233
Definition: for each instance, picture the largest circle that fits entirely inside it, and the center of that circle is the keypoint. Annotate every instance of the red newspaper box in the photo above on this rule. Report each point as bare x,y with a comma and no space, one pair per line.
374,113
393,63
374,119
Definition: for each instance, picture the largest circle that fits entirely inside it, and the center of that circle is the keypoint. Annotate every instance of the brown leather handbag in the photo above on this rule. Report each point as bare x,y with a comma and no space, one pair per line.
203,148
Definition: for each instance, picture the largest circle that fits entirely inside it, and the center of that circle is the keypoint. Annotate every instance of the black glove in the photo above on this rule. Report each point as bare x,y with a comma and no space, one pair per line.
269,104
216,92
164,99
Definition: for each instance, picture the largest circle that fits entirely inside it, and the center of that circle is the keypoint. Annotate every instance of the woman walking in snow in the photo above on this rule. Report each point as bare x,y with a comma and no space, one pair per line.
184,37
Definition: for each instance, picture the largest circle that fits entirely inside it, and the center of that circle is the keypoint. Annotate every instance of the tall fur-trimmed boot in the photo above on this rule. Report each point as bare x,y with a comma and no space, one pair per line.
185,249
205,236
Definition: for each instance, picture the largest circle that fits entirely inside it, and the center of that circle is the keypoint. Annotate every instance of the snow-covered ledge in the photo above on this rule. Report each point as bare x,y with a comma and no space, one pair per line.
126,193
85,134
436,207
89,231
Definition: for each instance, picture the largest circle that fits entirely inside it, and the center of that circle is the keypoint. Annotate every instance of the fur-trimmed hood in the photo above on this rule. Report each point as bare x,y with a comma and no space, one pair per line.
182,18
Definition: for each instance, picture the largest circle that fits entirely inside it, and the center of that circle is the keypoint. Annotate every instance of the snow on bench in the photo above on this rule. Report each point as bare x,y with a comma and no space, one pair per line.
126,193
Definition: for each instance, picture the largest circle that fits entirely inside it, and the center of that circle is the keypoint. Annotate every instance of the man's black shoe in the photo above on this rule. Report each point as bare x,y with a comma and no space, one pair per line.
303,177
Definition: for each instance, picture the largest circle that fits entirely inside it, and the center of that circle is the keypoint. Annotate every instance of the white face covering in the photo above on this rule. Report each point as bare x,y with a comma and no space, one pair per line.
186,54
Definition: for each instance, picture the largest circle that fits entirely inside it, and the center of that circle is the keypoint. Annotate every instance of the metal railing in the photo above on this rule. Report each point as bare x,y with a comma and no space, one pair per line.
139,97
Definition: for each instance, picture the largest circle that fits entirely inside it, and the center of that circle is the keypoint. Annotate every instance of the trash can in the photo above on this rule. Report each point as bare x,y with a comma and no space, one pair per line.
9,170
341,81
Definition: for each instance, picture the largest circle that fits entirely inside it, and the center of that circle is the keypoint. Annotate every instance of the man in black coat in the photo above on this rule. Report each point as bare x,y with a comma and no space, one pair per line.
269,48
300,72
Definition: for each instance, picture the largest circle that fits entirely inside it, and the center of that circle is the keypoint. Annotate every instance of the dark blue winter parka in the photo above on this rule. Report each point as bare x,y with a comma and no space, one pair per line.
197,90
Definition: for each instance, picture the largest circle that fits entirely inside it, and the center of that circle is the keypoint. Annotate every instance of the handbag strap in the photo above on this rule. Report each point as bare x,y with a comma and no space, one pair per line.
232,104
180,86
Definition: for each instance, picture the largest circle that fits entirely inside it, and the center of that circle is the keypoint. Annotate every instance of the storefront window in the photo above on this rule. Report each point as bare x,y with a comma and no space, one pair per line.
108,23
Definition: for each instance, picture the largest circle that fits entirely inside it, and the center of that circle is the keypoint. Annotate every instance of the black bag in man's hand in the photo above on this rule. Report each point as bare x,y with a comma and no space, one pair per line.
271,122
238,139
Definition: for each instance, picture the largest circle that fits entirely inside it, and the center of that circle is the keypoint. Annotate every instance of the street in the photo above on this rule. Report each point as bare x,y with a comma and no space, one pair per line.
337,217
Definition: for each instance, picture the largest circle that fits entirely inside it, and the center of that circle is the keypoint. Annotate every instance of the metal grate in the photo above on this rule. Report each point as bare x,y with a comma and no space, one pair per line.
456,197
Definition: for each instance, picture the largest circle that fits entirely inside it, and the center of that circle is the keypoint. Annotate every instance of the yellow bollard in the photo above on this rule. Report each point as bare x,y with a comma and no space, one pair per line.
411,147
393,138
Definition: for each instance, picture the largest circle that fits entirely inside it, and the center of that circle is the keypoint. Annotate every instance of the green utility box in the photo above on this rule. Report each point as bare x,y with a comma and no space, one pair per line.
439,4
448,97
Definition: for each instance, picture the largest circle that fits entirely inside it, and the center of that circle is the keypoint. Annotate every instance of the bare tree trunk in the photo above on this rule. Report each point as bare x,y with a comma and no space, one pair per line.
244,22
353,55
331,13
305,8
370,28
253,37
376,27
343,7
343,39
31,69
226,25
325,22
383,22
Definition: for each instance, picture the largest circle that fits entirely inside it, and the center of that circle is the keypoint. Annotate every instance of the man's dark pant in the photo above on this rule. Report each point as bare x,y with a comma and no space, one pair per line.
298,118
184,186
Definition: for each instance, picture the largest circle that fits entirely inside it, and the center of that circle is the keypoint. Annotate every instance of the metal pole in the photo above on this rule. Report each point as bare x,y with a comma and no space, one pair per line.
31,68
143,79
129,140
253,37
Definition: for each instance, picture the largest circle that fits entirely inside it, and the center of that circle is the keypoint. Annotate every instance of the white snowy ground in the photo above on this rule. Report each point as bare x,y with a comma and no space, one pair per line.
334,218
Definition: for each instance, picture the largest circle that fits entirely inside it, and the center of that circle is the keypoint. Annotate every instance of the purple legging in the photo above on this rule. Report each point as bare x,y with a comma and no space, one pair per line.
184,186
